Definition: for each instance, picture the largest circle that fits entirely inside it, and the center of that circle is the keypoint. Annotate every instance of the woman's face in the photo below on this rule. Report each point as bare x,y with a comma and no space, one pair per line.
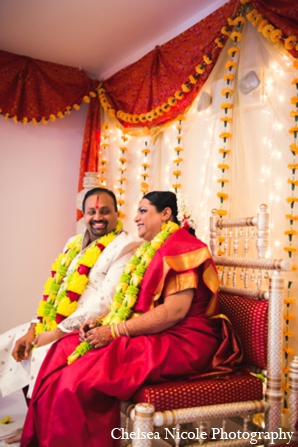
149,220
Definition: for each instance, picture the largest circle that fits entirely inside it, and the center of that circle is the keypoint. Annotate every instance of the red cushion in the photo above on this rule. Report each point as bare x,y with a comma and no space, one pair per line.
249,317
187,394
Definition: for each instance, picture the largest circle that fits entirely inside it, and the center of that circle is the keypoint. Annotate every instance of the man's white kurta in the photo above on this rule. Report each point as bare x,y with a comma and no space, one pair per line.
94,301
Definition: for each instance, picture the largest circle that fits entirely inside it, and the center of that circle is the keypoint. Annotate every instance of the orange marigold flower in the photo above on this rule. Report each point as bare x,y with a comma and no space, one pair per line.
226,91
207,60
105,126
262,24
112,112
200,69
286,370
290,249
122,179
120,202
146,151
285,386
222,195
179,127
149,116
230,64
295,63
294,148
185,88
225,31
135,119
145,175
289,351
121,191
225,135
181,117
289,300
293,182
145,165
252,14
294,267
143,117
293,129
288,333
236,36
226,105
290,233
291,217
176,185
290,42
178,149
294,100
192,79
220,253
165,107
233,50
285,410
178,160
221,239
103,161
123,148
228,77
226,119
239,20
222,180
122,160
177,173
294,113
267,30
276,35
293,166
222,212
172,101
218,43
224,151
144,185
102,169
121,214
223,166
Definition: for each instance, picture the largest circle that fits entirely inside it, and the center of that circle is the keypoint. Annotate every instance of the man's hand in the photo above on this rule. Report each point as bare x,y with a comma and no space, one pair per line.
47,337
23,345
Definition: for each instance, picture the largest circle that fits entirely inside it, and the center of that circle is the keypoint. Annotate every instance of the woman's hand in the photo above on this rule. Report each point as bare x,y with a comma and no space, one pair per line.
47,337
99,336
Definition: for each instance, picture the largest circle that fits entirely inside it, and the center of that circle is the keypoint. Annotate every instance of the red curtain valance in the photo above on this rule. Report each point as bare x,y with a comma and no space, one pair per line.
152,81
34,90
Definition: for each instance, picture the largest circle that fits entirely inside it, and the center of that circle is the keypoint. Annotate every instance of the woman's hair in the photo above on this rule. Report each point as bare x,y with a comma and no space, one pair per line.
96,191
164,199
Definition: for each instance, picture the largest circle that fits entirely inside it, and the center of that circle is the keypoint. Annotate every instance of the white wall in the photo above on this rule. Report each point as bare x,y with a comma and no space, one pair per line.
39,168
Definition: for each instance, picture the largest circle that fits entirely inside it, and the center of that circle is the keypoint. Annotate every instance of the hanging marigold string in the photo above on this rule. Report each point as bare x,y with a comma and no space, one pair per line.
121,180
102,159
290,248
145,169
178,160
227,108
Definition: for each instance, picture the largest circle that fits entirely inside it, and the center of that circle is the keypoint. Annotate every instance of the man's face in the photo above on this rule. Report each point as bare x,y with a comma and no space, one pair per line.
100,216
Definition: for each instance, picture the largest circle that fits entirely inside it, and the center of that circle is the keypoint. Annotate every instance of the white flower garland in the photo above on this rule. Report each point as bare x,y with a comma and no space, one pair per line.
185,212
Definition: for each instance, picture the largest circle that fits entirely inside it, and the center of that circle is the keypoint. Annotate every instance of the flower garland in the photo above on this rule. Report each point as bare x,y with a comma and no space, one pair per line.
185,212
128,287
122,160
177,161
145,166
227,107
290,248
103,159
60,298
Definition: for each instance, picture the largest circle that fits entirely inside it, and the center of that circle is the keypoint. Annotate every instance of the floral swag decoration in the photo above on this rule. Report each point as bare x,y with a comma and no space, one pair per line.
60,297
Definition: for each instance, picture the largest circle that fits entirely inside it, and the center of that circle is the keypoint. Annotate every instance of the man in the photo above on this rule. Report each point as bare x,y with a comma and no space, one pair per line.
101,218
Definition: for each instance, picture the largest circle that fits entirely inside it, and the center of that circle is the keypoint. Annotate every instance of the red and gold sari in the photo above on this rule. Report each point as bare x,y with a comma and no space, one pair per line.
78,404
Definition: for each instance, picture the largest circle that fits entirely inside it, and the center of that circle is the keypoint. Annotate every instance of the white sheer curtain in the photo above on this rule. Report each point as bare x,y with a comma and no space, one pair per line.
259,147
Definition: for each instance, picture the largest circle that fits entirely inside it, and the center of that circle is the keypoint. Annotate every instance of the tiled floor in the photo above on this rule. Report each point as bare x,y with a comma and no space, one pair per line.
14,406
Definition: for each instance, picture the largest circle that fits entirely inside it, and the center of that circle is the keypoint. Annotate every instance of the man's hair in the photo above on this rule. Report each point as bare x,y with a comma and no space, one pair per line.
96,191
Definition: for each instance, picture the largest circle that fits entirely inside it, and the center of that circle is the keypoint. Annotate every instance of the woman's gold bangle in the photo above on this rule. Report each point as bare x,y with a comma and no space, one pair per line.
125,329
113,331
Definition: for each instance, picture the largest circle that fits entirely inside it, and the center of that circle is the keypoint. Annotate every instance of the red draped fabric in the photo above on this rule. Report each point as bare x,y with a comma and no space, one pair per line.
283,14
91,144
34,90
151,81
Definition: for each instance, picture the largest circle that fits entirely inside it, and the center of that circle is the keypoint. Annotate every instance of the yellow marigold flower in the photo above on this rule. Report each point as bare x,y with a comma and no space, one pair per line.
145,166
102,169
185,88
293,182
222,195
225,31
289,351
104,145
294,148
121,191
181,117
47,286
292,199
236,36
145,175
200,69
172,101
177,173
290,42
122,169
179,138
262,24
77,283
267,30
66,307
289,300
192,79
226,91
41,308
226,119
146,151
39,328
178,149
226,105
222,212
51,325
122,179
176,185
276,35
223,166
233,50
225,135
178,160
179,127
218,43
290,249
224,151
178,95
239,20
122,160
230,64
251,15
290,232
222,180
120,202
207,60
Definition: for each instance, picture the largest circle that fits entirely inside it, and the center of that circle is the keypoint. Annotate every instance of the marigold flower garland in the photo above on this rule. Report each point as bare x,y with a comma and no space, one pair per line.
102,168
145,168
128,287
290,249
178,160
60,298
121,180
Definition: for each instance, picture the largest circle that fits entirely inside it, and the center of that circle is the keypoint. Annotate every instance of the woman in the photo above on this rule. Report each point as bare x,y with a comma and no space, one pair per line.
169,335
